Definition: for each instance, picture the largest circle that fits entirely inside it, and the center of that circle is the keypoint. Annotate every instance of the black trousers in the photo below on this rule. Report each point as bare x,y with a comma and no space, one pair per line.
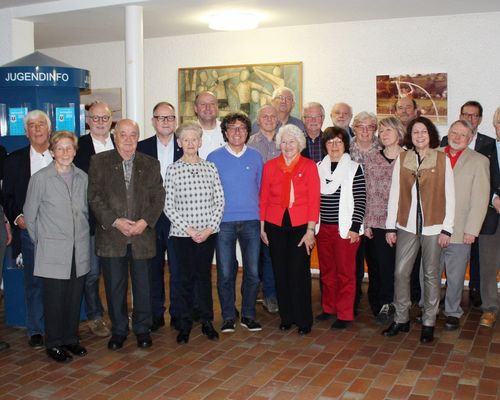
381,259
292,273
61,301
195,271
115,271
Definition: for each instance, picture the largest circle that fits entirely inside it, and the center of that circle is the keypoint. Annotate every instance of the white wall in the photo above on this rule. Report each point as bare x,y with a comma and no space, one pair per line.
340,60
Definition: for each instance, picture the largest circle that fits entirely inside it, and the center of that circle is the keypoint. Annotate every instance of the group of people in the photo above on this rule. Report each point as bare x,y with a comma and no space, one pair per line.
279,187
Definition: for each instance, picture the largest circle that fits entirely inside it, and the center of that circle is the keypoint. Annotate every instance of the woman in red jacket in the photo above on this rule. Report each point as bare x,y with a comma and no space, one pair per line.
289,210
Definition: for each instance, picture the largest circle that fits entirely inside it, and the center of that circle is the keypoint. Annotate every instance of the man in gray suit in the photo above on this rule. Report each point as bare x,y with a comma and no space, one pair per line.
126,195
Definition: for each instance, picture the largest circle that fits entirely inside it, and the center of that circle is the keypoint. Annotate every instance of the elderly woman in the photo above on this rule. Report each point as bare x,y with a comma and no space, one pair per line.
380,257
194,204
342,209
420,212
56,215
289,209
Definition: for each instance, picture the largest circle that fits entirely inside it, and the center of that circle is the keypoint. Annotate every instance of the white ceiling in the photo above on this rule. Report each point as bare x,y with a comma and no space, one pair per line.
92,21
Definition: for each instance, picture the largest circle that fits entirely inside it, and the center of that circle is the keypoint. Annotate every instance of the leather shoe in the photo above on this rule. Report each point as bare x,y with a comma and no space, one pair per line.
475,297
452,323
183,336
208,330
304,331
59,354
144,341
76,349
36,341
285,327
427,334
395,328
323,316
158,322
116,342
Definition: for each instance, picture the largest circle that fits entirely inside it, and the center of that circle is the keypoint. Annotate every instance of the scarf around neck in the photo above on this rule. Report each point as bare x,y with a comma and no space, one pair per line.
331,181
287,192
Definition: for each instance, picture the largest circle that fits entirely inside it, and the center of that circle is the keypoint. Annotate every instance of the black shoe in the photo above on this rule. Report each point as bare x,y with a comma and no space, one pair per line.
250,324
323,317
340,324
158,322
76,349
3,345
395,328
385,314
304,331
475,297
452,323
227,326
144,340
285,327
116,342
208,330
36,341
59,354
427,334
183,336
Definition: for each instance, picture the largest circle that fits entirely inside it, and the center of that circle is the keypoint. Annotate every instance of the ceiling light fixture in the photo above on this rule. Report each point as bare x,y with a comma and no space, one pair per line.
236,21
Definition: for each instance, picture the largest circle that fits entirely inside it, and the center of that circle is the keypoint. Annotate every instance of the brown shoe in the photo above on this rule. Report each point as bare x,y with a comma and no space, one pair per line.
98,327
488,319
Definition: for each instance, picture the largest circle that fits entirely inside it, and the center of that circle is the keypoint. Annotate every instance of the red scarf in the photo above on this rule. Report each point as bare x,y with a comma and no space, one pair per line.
288,171
453,158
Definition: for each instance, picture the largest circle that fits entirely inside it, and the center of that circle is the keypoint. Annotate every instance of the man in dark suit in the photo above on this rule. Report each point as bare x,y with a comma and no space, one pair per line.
127,197
165,149
19,167
98,140
472,111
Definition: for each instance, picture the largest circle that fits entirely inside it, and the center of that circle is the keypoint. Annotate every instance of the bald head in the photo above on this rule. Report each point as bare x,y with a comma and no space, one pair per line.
341,115
126,138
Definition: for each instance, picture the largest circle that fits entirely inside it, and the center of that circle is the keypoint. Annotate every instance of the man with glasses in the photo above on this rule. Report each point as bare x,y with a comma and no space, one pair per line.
313,116
165,149
283,100
472,111
98,140
240,171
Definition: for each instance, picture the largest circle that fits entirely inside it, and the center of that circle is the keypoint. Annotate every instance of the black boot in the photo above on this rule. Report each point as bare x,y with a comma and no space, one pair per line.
427,334
396,327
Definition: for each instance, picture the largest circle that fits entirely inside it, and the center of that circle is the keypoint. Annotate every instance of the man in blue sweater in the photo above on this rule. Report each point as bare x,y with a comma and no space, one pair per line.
240,170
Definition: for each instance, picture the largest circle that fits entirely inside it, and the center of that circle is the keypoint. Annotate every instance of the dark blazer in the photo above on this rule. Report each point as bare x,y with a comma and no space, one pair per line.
492,218
148,146
85,152
107,197
482,141
17,173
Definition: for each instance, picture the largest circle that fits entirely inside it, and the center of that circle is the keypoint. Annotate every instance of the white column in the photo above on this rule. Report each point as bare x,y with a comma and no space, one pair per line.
134,55
16,38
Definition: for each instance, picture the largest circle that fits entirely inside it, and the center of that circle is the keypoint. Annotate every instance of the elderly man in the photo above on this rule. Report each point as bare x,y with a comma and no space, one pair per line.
313,116
471,174
341,116
98,140
206,108
264,142
19,167
406,110
283,100
472,111
165,149
126,195
240,171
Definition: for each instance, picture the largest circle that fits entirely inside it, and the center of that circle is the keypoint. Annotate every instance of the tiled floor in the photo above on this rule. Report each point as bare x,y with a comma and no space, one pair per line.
357,363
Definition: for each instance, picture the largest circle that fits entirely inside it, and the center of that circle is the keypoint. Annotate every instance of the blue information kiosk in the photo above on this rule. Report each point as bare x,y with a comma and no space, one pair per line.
35,82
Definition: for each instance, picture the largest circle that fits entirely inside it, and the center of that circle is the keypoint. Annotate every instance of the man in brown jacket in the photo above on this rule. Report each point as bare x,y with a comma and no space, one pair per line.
127,197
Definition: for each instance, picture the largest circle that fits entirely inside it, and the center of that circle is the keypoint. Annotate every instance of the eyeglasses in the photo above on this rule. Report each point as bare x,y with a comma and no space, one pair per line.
233,128
313,116
335,142
163,118
366,127
287,99
97,118
474,116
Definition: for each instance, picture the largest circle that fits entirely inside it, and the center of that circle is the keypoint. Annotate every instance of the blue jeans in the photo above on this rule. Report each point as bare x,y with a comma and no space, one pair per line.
248,234
93,303
266,273
33,289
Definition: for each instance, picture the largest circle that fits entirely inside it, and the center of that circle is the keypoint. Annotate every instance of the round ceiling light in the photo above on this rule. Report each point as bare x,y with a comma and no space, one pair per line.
233,21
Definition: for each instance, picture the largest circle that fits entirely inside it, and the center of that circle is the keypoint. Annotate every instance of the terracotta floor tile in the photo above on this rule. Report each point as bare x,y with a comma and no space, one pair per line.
425,386
488,386
448,382
385,381
399,392
360,385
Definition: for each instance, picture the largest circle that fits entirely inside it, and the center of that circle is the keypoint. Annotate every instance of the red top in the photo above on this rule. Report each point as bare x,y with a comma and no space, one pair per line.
306,192
453,158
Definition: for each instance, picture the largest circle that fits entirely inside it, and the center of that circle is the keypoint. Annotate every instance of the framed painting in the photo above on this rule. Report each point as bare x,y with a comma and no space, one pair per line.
430,92
238,87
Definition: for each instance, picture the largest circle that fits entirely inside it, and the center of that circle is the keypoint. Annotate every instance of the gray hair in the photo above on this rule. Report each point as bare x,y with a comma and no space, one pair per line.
341,104
35,114
278,91
188,126
293,131
394,123
314,104
465,123
364,115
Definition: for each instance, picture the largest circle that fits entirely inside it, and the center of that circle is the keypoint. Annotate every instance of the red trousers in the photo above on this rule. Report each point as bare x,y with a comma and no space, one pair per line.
337,264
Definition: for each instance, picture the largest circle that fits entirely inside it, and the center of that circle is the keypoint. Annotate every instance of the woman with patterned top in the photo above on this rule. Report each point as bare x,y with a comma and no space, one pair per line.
342,209
380,257
194,204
